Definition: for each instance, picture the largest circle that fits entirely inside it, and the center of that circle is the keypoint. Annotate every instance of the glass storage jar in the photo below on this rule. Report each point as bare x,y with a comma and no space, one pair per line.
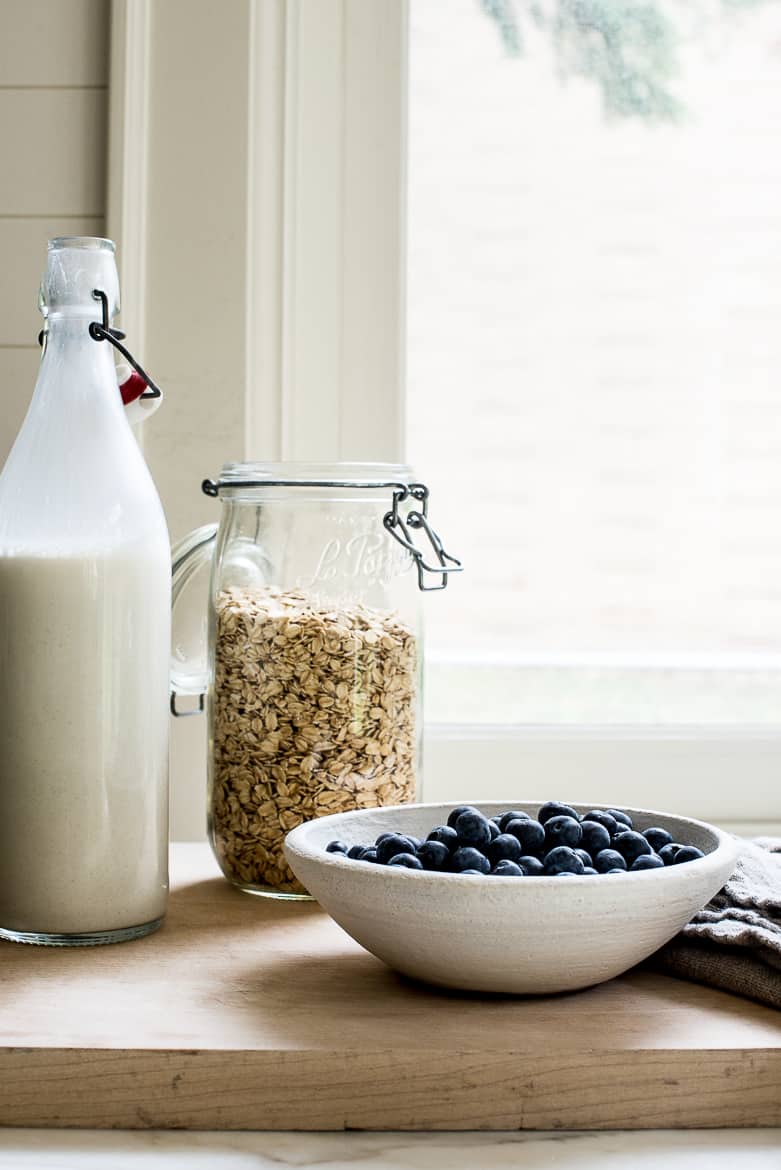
313,674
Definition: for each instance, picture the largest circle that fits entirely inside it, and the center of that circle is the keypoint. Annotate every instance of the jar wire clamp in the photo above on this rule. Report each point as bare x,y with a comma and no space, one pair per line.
397,525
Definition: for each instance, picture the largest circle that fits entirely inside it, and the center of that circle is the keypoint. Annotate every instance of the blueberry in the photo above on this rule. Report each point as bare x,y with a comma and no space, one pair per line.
456,813
406,861
623,817
554,808
505,818
562,831
608,859
562,858
631,845
392,845
530,834
602,818
446,835
512,844
433,854
472,828
469,858
507,868
647,861
657,838
472,872
687,853
505,847
594,836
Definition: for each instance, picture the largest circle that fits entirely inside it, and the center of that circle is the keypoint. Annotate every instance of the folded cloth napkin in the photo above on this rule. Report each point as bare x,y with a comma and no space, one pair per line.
735,942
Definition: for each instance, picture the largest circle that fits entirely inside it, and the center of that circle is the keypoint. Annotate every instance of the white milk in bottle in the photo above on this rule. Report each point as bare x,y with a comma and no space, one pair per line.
84,641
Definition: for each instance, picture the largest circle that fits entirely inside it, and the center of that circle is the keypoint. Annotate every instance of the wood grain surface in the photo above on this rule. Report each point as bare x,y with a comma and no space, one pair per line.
243,1013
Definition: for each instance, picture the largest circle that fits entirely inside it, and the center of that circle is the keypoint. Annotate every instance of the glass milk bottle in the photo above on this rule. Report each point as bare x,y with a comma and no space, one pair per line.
84,639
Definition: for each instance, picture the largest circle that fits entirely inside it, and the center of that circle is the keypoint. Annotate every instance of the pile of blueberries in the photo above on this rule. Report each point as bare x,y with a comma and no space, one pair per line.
558,843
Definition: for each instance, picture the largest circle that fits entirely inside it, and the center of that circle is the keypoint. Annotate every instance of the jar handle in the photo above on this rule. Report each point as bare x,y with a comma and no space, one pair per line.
190,673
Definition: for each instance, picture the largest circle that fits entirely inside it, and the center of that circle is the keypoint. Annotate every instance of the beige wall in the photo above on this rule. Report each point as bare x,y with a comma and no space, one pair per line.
194,297
53,91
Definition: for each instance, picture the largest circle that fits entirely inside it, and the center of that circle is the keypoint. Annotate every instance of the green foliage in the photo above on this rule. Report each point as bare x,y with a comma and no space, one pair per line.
627,47
503,12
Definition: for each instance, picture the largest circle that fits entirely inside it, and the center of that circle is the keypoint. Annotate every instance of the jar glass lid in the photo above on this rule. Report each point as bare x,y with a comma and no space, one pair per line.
314,473
406,517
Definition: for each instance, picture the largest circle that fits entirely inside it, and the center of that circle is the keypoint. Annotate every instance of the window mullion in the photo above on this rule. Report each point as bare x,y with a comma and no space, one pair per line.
326,250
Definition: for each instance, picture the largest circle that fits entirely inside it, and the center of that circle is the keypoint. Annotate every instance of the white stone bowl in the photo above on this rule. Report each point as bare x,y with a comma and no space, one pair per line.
504,934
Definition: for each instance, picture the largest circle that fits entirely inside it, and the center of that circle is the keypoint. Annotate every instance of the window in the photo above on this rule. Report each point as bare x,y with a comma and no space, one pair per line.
592,351
594,357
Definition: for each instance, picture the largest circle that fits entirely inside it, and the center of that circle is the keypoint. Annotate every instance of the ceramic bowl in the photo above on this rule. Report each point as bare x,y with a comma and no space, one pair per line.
504,934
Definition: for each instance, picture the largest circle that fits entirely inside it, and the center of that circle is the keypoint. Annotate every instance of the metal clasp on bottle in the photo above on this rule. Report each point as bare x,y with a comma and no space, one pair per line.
103,331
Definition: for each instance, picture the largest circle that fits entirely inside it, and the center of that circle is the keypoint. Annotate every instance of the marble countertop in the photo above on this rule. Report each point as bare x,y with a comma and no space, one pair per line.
727,1149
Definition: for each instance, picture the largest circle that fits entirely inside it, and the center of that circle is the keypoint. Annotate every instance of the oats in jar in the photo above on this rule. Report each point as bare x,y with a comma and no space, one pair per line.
313,713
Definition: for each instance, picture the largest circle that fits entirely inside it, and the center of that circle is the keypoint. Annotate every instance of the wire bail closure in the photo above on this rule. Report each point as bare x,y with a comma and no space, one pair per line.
102,331
397,525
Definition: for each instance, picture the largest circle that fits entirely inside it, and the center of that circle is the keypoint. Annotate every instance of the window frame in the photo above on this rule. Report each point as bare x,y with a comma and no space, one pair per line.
313,296
327,146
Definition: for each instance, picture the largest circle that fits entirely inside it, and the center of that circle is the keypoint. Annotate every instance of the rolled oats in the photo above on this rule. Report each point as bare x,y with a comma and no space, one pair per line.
313,713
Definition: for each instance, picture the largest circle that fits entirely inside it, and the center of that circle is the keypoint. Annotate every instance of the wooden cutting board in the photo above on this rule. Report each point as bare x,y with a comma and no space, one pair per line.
242,1013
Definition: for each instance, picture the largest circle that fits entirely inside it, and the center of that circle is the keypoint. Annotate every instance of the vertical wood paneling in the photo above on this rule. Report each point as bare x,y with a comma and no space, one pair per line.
194,299
343,301
313,232
196,248
265,239
128,137
374,243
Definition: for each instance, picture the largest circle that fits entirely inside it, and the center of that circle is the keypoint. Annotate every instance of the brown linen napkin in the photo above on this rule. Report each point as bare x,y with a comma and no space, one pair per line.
735,942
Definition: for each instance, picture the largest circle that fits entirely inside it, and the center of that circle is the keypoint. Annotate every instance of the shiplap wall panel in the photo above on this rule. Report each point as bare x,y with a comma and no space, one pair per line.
53,143
53,146
18,370
23,248
54,42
